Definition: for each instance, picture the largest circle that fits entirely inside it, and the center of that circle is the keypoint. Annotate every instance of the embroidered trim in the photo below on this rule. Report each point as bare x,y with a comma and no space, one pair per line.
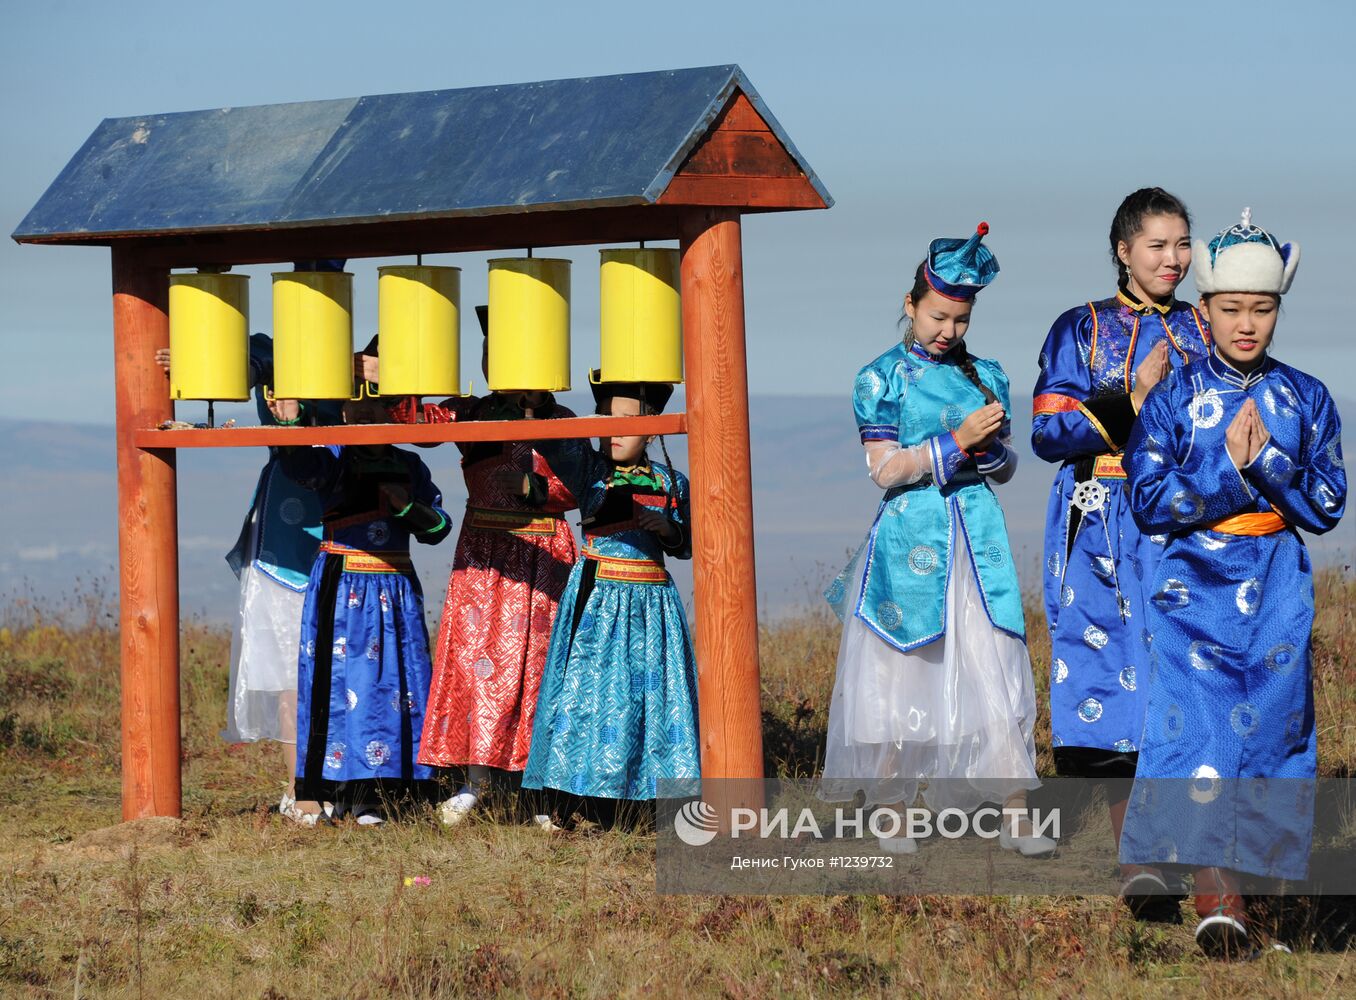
1052,402
620,570
1108,467
513,521
358,561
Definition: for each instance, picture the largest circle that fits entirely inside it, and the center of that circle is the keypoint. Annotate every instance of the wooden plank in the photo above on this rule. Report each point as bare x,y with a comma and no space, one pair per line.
741,116
147,546
473,430
724,586
747,154
742,192
621,224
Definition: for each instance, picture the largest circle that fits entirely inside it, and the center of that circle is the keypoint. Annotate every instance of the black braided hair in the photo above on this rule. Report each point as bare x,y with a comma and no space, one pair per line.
1129,219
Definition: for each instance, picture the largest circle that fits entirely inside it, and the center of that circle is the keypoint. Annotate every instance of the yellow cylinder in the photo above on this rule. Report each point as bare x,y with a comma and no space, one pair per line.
641,316
419,322
529,339
312,335
209,331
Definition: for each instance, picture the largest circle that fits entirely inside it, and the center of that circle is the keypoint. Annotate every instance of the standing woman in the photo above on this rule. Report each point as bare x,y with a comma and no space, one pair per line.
1098,363
933,684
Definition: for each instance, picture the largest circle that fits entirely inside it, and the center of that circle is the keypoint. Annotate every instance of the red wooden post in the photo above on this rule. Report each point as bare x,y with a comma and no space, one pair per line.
148,525
724,592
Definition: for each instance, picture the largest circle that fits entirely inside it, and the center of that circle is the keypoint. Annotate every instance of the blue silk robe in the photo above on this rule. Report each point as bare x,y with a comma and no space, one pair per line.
911,397
617,707
1096,562
1228,747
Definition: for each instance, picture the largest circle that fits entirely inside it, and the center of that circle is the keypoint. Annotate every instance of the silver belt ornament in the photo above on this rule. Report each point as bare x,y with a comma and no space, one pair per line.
1089,496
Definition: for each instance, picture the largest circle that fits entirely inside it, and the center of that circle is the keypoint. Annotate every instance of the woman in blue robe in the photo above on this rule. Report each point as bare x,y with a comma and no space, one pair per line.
1229,459
617,706
364,665
1097,365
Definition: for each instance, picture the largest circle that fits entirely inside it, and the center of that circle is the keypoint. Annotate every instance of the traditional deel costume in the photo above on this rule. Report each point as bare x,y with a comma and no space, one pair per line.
1231,607
617,710
364,665
933,679
1097,562
514,556
272,559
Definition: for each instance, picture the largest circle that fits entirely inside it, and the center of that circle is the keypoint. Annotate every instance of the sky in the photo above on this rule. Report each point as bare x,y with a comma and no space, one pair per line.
1037,118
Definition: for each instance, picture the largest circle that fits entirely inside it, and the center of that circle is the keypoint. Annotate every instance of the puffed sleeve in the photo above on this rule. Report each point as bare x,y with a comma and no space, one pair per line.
1310,489
1066,422
877,399
999,461
1173,484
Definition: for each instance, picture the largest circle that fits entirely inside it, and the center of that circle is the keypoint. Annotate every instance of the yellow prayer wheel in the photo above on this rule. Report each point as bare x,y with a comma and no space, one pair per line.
419,323
529,339
209,332
312,335
642,316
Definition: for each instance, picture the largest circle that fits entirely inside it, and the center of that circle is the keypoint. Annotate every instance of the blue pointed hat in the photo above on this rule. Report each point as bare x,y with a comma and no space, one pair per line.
958,269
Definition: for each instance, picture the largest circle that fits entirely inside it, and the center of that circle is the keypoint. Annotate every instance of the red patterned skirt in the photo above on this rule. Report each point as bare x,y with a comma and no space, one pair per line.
509,573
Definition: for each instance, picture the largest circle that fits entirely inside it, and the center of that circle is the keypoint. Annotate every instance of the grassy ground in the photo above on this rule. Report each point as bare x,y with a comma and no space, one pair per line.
232,902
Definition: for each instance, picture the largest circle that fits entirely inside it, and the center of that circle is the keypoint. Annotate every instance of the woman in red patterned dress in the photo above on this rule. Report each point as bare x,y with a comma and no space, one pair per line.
513,558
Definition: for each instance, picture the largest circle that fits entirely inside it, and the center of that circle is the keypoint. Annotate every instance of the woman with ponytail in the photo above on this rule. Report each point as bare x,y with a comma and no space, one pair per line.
933,679
1099,362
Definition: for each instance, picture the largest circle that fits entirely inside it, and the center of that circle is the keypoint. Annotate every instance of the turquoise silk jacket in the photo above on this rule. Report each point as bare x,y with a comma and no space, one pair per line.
913,398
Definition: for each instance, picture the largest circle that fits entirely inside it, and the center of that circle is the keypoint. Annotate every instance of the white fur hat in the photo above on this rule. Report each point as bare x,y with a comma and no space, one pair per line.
1245,258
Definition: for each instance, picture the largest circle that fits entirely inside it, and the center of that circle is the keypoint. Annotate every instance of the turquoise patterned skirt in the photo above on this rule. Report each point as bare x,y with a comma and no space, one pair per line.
617,709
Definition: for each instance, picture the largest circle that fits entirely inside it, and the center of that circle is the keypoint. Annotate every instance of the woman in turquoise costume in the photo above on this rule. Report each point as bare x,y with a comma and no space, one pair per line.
617,707
1098,363
1229,459
933,680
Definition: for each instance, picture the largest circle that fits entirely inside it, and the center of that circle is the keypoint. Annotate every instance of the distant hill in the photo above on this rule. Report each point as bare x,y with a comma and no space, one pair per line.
812,504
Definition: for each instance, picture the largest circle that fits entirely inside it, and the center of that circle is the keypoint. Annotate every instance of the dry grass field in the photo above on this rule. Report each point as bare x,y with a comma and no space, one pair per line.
233,902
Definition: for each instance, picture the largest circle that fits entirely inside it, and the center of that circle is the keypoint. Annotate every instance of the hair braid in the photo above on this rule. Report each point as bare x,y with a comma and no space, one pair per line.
966,363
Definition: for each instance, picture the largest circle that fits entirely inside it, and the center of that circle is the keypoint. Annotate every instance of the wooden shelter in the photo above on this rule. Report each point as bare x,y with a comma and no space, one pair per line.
652,156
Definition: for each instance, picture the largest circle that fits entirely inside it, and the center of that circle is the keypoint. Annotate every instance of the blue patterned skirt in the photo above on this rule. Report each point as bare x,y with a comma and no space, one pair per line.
617,709
363,677
1228,758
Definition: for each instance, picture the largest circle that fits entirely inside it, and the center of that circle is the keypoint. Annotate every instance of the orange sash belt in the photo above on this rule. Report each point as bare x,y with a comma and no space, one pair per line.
358,561
1262,523
513,521
627,570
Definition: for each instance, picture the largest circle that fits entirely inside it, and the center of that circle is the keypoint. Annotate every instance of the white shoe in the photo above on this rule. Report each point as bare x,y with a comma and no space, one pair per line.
1027,847
898,845
546,824
287,809
458,807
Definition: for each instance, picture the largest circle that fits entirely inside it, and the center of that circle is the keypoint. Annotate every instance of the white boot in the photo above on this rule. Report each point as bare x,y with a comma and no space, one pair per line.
458,807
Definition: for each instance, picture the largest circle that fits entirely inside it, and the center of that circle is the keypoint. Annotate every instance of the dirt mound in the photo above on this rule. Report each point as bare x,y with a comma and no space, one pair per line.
147,833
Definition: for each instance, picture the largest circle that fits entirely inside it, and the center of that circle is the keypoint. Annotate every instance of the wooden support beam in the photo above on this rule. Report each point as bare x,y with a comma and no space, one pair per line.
471,430
724,590
148,551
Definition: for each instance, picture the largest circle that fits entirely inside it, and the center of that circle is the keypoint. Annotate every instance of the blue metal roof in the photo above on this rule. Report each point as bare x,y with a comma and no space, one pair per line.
562,144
